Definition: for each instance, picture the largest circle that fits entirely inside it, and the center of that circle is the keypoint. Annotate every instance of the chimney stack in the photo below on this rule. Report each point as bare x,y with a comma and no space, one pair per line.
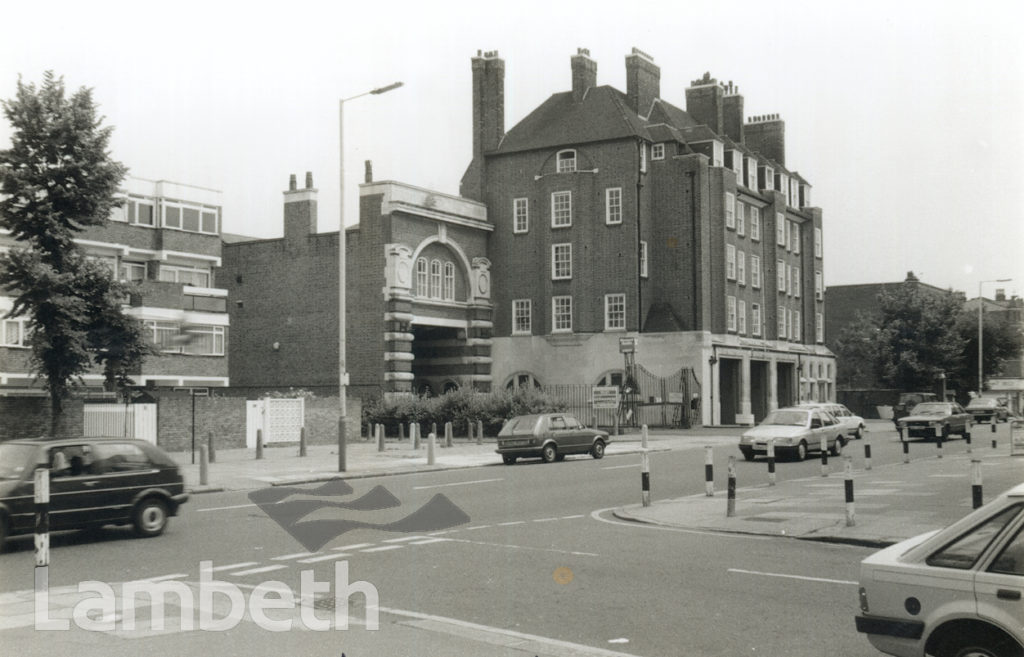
767,135
368,173
300,211
488,118
704,103
309,180
291,183
584,74
732,113
643,81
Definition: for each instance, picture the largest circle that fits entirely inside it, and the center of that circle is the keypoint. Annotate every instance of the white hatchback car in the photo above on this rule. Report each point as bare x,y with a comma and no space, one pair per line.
852,424
955,592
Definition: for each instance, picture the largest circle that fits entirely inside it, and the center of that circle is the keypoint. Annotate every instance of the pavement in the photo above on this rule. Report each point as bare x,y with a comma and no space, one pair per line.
892,502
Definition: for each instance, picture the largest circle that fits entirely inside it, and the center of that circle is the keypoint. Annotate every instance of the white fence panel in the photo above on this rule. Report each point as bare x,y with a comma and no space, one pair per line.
280,419
121,420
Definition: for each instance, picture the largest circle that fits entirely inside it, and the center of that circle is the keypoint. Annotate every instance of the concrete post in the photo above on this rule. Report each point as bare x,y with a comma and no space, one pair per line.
204,465
431,443
645,477
643,436
447,434
380,438
259,444
209,441
302,441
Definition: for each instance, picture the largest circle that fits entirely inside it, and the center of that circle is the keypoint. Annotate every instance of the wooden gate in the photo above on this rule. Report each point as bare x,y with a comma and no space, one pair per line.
121,421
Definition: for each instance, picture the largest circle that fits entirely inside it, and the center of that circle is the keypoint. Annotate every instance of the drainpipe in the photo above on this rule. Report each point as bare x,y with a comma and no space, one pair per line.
639,270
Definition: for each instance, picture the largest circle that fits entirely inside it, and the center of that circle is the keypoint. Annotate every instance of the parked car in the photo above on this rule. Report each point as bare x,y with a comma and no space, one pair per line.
934,419
796,431
983,409
907,402
93,482
852,424
551,436
955,592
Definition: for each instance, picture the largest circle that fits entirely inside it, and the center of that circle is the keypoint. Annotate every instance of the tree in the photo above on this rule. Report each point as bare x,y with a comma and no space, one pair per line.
56,179
1001,341
910,341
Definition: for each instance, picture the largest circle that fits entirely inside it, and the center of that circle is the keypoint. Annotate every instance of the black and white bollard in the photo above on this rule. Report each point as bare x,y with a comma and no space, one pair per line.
259,444
730,506
709,472
771,462
976,482
993,423
938,442
643,436
824,456
967,438
867,450
899,431
906,451
42,538
204,465
645,477
431,444
851,518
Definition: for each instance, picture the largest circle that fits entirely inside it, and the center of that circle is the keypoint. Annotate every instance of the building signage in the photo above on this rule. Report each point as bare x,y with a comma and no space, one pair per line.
605,397
1006,384
627,345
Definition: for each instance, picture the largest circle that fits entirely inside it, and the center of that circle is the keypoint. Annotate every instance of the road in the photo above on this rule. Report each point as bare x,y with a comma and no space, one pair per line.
540,567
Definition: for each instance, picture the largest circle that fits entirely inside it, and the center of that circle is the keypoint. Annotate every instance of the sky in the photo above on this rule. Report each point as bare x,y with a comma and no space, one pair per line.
907,118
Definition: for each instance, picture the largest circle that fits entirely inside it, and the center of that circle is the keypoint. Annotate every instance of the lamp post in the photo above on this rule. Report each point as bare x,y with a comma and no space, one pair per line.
981,304
342,374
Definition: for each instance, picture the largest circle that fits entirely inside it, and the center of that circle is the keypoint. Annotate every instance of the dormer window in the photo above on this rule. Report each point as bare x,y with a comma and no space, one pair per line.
717,153
566,161
658,152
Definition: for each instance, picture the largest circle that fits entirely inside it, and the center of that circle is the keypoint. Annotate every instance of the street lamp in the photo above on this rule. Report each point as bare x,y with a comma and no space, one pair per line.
342,374
980,306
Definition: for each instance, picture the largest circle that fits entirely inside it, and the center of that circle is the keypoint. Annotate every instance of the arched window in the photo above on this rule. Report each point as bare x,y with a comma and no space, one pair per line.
566,161
421,277
611,379
435,279
522,381
450,386
449,281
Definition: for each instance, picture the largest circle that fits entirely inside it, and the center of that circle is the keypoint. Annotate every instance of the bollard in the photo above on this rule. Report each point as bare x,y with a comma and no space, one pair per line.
204,465
967,437
617,432
259,444
209,441
431,442
993,424
709,472
899,430
771,462
867,451
851,519
730,508
643,436
401,431
419,436
938,442
447,434
479,432
976,482
824,456
302,441
42,537
469,429
381,438
433,428
906,451
645,477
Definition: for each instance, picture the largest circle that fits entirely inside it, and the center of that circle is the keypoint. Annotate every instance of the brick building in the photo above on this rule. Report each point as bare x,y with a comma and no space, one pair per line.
165,239
601,215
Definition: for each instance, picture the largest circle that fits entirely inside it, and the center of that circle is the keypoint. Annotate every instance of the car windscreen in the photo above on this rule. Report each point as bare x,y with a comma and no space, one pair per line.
14,459
982,403
927,408
786,418
519,424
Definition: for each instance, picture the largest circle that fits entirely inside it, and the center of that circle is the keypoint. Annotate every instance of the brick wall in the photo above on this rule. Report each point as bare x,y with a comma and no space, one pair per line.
29,417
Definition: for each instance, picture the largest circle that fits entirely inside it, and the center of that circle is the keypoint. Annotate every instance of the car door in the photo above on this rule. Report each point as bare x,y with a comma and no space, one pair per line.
999,587
816,431
77,497
576,434
963,418
123,470
559,432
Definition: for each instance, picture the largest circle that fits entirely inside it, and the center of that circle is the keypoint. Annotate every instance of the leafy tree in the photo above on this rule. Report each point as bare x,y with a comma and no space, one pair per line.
56,179
908,343
1002,340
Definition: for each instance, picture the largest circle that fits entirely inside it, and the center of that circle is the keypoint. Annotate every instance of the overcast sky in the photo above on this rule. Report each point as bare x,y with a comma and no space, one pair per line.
906,117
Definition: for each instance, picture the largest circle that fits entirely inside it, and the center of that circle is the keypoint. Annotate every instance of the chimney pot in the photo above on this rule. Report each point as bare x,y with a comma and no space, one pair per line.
291,183
368,175
309,180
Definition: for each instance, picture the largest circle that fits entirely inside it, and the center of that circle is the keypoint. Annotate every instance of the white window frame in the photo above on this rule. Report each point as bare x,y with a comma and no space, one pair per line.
561,209
795,237
449,281
741,220
755,223
730,262
796,325
520,215
566,161
797,273
179,271
730,313
730,210
522,316
422,278
17,325
126,269
752,173
717,153
819,328
737,165
755,319
613,206
643,259
163,334
658,151
741,317
561,261
783,322
819,286
769,178
780,229
561,318
780,276
817,242
755,272
741,267
213,336
435,279
615,312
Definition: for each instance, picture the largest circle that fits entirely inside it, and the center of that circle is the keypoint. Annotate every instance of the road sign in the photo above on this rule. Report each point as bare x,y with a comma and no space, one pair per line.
605,397
627,345
1017,438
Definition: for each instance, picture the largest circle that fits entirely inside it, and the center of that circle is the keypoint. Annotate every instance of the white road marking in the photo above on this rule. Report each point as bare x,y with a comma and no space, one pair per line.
447,531
232,566
469,529
253,571
509,524
457,483
596,515
325,557
566,647
402,539
162,578
801,577
223,508
523,547
383,548
616,467
287,557
544,519
354,546
573,517
430,540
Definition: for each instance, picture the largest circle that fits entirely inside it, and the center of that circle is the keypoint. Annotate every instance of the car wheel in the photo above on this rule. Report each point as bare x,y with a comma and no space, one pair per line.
859,433
150,517
3,532
508,459
597,451
979,647
801,451
549,453
837,446
748,454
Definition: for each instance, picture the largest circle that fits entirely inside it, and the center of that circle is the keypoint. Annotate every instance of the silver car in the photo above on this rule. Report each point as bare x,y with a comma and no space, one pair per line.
795,431
852,424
